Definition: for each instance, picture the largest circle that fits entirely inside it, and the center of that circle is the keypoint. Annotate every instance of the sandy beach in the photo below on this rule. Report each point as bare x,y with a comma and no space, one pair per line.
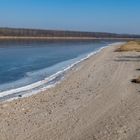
95,101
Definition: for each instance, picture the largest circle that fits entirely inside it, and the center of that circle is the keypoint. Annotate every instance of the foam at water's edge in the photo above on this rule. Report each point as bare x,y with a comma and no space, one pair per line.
29,88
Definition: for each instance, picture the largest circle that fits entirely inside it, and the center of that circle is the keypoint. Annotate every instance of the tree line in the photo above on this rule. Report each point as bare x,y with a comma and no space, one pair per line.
56,33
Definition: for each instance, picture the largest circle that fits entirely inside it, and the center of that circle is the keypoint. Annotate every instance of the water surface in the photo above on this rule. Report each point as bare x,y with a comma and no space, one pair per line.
25,63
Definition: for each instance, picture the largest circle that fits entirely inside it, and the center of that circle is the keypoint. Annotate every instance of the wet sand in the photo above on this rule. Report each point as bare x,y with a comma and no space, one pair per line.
95,101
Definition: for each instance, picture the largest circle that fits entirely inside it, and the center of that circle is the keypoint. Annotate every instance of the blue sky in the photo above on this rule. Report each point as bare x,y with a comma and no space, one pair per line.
120,16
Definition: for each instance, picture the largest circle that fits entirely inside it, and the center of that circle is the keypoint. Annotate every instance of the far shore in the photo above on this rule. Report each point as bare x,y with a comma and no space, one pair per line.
61,38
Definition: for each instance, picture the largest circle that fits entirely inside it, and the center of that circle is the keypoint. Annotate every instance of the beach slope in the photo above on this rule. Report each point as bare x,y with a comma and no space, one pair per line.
95,101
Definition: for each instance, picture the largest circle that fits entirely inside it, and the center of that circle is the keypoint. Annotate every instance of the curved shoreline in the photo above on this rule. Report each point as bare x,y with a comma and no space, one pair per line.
32,89
95,101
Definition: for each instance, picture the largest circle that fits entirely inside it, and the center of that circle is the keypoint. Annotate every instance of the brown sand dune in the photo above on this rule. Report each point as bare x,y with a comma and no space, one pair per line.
96,101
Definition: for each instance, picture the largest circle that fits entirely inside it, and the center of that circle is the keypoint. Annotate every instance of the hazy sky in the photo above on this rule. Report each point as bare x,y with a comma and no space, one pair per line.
120,16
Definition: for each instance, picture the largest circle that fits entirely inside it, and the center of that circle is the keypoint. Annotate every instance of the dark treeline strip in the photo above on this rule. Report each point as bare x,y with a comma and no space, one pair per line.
15,32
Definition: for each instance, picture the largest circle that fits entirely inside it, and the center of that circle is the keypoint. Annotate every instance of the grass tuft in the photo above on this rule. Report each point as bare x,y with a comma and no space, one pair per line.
130,46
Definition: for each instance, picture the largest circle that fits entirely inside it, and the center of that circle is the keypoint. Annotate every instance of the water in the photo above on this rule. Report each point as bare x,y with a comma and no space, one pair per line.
29,66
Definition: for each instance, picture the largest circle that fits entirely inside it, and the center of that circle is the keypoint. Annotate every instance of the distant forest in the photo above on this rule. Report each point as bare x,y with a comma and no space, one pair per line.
15,32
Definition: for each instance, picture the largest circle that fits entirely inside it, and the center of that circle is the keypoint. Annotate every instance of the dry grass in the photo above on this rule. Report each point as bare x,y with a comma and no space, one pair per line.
130,46
138,42
137,80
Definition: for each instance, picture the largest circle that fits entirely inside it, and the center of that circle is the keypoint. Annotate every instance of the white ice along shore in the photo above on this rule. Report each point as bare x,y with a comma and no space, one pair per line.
37,87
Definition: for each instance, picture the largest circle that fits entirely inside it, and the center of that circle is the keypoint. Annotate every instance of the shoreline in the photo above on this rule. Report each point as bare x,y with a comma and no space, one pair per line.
96,100
20,92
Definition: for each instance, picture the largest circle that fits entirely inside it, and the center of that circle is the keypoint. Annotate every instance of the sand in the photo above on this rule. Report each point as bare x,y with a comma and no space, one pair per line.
95,101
